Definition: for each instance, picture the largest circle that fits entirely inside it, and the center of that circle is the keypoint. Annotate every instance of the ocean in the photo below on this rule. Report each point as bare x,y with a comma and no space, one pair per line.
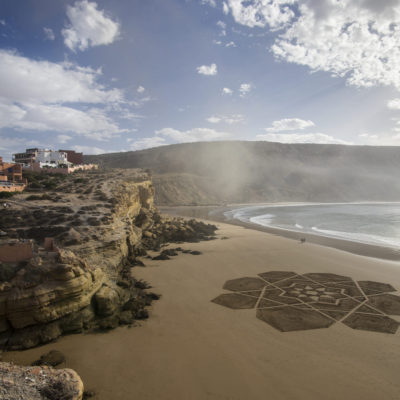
370,223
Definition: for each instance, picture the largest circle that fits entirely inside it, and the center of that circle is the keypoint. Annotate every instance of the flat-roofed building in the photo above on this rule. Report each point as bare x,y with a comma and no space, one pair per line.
12,171
45,157
25,158
73,156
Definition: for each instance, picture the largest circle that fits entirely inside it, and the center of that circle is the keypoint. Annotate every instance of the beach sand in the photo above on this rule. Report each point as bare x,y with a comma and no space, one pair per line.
191,348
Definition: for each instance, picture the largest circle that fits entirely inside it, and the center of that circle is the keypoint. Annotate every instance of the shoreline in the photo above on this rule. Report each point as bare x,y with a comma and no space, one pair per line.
216,214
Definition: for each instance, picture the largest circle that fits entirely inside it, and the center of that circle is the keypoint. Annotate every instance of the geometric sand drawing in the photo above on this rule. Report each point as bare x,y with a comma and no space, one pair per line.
291,302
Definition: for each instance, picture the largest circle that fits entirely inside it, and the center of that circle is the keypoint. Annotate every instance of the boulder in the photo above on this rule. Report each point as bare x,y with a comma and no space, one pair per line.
106,301
37,383
51,359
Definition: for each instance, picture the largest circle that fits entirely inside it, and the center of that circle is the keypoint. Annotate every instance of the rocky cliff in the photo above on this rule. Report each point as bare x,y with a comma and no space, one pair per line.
100,224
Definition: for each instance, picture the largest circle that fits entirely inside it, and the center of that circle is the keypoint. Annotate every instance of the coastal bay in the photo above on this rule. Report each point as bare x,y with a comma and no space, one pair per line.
217,214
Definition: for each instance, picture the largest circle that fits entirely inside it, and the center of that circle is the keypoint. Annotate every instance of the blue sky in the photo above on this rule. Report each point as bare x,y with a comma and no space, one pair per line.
101,76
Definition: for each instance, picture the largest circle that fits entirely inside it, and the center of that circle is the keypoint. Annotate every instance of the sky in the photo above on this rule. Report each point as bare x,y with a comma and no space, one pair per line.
109,76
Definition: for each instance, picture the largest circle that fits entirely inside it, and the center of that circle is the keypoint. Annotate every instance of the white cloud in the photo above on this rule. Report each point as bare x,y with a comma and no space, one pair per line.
213,119
40,117
2,22
368,136
13,144
24,79
301,138
40,95
290,124
63,138
225,8
88,149
260,13
230,44
9,113
211,3
140,89
48,32
222,25
383,139
245,88
354,39
146,143
208,69
394,104
192,135
218,42
141,101
226,90
88,27
228,119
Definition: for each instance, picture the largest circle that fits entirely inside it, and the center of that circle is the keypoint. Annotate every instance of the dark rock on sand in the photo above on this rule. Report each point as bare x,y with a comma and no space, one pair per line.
51,359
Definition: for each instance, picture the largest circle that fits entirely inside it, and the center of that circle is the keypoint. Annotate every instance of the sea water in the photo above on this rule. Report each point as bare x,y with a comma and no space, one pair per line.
371,223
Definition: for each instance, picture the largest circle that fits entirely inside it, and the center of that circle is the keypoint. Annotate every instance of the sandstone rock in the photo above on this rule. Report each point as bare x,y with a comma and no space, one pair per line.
90,287
51,300
39,383
109,323
126,317
79,321
72,237
107,301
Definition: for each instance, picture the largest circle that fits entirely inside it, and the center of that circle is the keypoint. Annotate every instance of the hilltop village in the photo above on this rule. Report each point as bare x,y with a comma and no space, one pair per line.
40,161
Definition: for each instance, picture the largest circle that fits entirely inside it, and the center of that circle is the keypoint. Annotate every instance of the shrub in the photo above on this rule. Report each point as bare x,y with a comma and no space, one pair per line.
6,195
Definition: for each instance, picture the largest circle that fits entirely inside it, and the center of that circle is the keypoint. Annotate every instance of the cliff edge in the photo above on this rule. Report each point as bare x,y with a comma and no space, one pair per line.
67,254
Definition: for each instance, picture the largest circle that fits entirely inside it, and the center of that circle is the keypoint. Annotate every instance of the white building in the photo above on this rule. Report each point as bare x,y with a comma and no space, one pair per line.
51,158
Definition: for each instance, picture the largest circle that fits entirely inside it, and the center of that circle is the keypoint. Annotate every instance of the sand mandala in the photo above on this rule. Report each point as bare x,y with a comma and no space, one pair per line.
291,302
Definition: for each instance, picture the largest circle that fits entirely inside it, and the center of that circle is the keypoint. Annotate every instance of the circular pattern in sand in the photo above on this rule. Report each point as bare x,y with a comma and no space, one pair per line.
291,302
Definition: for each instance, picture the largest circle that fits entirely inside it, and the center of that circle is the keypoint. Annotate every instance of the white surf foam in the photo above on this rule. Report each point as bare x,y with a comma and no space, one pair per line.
359,237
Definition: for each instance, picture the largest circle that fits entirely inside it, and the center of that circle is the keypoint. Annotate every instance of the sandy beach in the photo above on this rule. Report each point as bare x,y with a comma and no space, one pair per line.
192,348
216,214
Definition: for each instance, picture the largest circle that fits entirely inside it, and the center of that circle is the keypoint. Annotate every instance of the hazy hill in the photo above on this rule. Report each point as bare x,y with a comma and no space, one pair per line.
238,171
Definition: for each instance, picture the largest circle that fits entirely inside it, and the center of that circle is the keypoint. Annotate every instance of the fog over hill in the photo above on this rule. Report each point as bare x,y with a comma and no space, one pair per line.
239,171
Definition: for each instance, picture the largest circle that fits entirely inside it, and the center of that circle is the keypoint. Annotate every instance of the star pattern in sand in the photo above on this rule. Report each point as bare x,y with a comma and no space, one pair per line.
291,302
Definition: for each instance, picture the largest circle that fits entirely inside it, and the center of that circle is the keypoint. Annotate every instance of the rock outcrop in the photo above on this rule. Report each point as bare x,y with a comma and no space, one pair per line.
83,281
50,295
39,383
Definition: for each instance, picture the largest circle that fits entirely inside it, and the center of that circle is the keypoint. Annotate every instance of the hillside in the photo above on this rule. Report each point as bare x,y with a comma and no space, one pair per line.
236,171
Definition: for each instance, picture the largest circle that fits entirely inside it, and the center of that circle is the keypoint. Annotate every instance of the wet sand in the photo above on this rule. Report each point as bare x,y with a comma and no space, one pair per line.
191,348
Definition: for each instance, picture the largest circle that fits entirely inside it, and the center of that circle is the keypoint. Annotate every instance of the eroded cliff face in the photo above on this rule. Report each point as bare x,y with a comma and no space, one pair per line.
84,281
50,295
